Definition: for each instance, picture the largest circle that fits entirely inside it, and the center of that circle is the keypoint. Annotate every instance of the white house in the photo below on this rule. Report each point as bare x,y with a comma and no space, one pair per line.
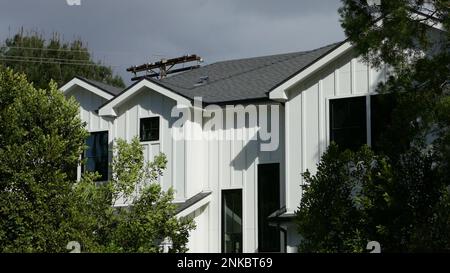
241,191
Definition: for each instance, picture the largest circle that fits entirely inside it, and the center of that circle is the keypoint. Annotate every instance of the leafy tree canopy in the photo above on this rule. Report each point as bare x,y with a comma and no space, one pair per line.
140,227
53,59
398,196
41,138
395,32
43,206
357,197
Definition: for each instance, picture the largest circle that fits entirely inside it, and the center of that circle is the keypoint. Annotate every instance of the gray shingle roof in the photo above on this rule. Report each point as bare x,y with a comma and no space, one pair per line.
103,86
243,79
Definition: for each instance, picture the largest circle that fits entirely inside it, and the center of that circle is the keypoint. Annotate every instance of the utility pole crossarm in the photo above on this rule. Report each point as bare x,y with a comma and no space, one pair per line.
165,66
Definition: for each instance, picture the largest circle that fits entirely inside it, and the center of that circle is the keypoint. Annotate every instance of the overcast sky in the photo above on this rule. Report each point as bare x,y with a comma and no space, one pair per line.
129,32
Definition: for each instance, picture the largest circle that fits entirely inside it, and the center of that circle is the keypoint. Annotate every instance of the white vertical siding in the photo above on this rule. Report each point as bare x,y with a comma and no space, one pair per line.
196,165
198,238
89,103
232,164
307,115
149,104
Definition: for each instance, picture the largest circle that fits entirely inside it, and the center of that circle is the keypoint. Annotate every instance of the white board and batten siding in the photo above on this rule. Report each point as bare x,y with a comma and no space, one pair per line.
89,103
307,115
233,164
126,126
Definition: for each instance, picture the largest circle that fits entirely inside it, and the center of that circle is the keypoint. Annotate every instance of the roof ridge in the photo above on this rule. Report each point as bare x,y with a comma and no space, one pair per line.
99,83
279,54
300,54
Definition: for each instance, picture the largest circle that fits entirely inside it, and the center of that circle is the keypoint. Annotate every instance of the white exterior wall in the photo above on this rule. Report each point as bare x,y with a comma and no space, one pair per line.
307,119
233,165
194,165
199,165
89,103
126,126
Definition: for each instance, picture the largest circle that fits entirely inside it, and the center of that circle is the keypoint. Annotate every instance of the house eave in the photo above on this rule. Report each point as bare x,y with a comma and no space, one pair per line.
66,88
109,109
279,93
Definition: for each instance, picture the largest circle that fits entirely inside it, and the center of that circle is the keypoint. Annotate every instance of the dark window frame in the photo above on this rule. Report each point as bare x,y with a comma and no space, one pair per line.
224,194
102,159
145,134
375,117
381,111
269,201
354,124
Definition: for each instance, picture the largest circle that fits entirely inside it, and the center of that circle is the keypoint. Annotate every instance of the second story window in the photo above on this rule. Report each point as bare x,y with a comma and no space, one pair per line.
97,154
348,128
149,129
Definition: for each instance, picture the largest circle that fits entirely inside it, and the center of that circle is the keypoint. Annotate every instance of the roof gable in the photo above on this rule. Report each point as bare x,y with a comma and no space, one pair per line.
109,108
87,85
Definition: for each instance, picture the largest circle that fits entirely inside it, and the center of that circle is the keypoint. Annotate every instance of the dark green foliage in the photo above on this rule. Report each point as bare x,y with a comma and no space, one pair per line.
400,196
392,32
138,228
44,60
43,207
357,197
41,138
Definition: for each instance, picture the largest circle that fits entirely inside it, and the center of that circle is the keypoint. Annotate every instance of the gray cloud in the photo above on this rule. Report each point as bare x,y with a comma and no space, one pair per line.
128,32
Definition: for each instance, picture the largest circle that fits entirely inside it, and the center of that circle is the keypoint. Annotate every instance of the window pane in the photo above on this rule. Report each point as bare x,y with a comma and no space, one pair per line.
348,122
149,129
381,116
232,221
268,202
97,154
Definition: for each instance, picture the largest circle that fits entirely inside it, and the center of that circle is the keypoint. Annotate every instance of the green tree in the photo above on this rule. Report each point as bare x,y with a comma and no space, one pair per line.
43,206
402,199
357,197
140,227
53,59
41,138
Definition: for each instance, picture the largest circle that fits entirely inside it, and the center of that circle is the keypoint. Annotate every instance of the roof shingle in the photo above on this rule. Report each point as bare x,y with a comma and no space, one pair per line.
103,86
242,79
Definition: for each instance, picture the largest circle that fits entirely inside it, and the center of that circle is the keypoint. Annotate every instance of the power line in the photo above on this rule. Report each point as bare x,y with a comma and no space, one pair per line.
46,49
51,62
82,50
45,58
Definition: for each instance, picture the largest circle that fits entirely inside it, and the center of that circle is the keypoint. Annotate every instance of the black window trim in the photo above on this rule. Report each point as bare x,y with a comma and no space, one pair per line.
223,192
368,115
159,129
261,164
369,110
83,156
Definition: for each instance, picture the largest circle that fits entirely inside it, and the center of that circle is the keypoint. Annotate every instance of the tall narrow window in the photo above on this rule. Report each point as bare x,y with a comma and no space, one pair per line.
348,126
97,154
149,129
381,107
268,202
232,221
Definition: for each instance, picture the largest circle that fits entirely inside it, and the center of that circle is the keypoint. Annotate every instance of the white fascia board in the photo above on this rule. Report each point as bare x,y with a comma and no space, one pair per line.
109,108
279,93
194,207
77,82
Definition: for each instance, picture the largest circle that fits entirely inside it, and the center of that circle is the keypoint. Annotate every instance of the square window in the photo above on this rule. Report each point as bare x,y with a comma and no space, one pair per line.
149,129
348,128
